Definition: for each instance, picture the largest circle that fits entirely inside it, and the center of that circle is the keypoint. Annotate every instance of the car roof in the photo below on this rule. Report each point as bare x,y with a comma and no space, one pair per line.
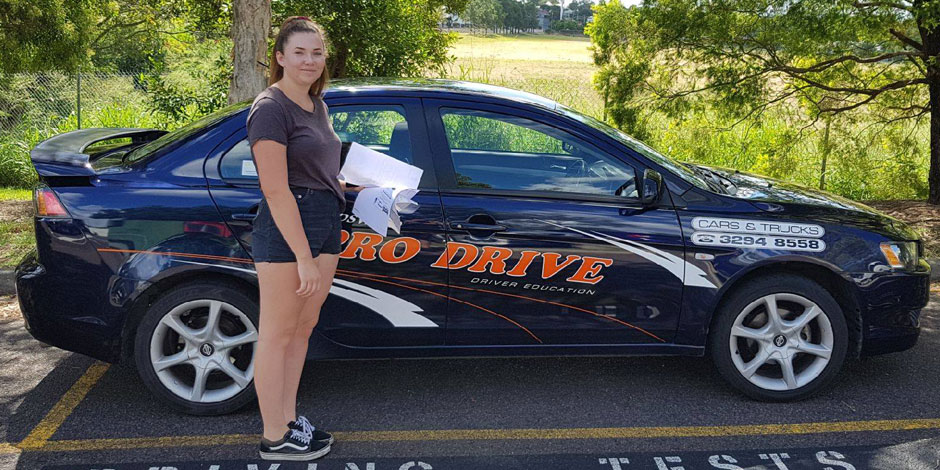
427,87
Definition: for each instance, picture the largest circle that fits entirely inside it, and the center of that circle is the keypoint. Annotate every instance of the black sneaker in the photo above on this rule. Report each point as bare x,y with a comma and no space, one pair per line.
303,425
295,445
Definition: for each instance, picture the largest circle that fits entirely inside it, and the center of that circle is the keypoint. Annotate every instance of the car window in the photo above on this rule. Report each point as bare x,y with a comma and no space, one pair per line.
382,128
237,163
506,152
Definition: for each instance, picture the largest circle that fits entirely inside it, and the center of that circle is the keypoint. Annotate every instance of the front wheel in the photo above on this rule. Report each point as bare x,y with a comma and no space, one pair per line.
779,338
194,349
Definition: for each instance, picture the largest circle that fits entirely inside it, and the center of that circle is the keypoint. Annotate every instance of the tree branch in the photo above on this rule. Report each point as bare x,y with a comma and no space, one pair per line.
862,91
906,40
838,60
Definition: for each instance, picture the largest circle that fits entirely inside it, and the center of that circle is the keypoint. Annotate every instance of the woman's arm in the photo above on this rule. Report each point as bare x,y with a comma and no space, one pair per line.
271,158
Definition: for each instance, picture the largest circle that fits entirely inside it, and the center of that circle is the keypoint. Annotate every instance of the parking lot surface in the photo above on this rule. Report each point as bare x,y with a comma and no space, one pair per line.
66,411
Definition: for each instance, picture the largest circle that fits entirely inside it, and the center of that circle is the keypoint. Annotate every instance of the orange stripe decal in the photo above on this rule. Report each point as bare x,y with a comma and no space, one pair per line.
183,255
573,307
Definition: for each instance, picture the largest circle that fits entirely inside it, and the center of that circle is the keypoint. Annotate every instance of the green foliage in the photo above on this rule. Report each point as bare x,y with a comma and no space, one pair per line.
484,13
479,133
112,35
518,15
45,34
567,26
191,83
813,61
395,38
368,127
130,35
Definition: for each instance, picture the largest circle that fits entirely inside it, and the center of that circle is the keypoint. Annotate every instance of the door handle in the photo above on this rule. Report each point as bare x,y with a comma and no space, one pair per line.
244,217
480,227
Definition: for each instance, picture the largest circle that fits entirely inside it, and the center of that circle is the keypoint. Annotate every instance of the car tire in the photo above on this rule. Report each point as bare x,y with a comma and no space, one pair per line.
743,333
173,348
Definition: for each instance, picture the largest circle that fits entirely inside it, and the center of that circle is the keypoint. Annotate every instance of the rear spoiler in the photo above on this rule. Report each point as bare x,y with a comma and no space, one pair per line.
64,154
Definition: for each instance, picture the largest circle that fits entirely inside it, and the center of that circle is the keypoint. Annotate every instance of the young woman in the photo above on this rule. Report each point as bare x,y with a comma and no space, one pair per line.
296,234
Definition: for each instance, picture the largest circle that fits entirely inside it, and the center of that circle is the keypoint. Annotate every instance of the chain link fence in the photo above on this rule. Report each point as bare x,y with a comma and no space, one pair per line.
36,106
55,100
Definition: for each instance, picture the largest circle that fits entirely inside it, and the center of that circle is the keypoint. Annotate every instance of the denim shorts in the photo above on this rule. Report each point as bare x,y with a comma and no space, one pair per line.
320,214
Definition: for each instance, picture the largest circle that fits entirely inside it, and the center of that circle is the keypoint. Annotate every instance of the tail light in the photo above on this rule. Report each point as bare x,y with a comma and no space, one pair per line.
48,204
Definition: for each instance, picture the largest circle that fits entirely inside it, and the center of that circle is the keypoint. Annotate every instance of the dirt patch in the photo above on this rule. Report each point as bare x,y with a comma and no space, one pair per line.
16,210
923,217
9,307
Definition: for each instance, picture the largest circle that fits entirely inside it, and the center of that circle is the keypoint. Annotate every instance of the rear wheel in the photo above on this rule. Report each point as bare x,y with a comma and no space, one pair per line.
779,338
194,349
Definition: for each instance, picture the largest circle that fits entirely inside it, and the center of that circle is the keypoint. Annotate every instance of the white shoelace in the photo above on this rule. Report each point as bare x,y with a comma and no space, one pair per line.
308,428
300,436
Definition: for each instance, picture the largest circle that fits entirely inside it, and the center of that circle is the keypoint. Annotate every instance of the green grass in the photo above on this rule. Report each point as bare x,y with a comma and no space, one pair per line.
15,194
16,226
526,47
16,239
556,67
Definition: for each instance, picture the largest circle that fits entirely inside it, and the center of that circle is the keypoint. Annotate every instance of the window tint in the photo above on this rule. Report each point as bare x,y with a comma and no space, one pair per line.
237,163
500,151
382,128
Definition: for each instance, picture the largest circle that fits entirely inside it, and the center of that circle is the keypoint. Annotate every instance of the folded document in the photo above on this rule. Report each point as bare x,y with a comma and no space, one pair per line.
389,186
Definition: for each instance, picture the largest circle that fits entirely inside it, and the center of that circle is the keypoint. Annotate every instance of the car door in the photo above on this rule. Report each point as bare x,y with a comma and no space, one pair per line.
383,294
548,242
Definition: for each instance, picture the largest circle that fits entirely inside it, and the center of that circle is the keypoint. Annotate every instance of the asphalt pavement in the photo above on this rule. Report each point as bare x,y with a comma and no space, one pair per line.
64,411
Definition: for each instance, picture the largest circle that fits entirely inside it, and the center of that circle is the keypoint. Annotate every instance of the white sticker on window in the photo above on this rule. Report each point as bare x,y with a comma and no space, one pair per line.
766,227
758,242
248,168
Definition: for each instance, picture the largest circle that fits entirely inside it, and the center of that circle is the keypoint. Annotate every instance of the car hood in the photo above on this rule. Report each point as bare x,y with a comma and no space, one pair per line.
781,195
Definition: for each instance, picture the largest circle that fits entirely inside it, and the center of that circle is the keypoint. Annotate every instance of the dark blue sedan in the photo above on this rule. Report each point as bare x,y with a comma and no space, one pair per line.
539,231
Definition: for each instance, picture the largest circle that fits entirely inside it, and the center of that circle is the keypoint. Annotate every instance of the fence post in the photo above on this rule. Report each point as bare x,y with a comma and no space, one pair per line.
78,100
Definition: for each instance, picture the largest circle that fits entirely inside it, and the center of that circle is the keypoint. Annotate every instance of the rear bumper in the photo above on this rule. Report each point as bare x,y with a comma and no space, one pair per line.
891,306
50,321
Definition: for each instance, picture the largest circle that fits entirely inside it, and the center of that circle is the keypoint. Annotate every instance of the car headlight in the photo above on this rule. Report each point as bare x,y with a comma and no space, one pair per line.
900,255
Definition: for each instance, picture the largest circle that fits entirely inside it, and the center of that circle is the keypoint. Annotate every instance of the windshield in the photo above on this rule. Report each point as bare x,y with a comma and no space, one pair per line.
170,140
681,170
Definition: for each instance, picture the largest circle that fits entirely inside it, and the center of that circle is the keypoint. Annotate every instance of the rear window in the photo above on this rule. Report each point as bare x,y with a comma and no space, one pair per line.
174,139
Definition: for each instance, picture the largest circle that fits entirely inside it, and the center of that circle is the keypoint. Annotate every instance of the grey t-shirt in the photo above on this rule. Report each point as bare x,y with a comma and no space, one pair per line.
313,149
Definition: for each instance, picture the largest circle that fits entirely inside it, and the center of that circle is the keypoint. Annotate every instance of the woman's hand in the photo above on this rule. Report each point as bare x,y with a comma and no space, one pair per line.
309,277
346,188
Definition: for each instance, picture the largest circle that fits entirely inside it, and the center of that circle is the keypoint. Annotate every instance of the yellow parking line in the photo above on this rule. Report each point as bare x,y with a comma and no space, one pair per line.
506,434
6,449
38,437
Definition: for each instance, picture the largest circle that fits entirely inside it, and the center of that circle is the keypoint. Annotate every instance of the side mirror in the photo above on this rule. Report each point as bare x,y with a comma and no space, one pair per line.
652,189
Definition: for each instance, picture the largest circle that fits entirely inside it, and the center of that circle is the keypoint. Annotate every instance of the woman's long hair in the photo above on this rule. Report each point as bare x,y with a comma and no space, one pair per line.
297,24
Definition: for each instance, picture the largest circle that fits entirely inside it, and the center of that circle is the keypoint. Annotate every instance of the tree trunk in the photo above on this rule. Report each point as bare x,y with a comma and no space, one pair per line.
251,22
826,150
933,177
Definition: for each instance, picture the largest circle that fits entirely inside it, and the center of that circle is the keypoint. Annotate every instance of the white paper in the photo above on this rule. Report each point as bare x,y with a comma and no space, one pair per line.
248,168
366,167
389,186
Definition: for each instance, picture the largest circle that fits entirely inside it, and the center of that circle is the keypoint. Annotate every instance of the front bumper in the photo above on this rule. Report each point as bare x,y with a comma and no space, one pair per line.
890,306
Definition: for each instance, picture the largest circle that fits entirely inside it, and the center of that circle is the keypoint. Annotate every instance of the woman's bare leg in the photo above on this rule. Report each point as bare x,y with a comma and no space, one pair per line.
297,349
280,308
